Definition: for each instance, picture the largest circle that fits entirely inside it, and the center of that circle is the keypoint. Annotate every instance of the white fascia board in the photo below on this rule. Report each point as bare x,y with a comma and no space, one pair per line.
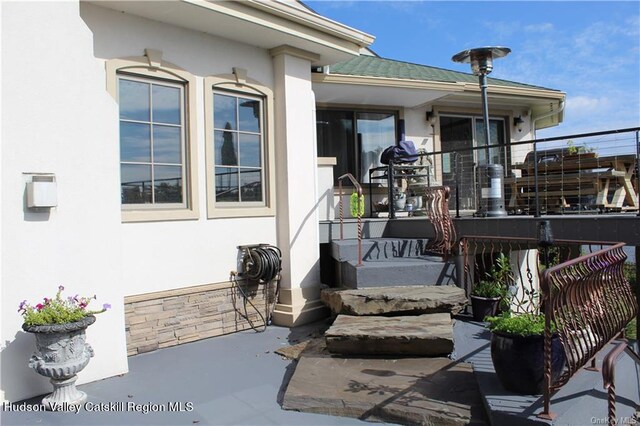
313,20
257,23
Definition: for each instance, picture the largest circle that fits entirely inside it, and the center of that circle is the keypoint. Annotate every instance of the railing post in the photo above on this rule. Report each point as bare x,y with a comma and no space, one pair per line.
536,212
456,170
638,169
359,228
359,206
341,213
390,185
545,241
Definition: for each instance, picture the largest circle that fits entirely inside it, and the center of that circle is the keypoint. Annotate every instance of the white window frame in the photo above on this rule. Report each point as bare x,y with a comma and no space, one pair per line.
230,85
159,71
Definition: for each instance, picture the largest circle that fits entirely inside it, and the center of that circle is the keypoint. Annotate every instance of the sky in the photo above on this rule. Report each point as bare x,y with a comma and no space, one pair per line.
588,49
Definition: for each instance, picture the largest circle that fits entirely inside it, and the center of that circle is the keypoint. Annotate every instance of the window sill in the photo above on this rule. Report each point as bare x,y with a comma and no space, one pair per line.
159,215
239,212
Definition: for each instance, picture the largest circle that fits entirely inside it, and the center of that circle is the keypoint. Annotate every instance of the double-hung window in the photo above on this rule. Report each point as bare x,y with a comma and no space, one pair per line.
238,146
152,143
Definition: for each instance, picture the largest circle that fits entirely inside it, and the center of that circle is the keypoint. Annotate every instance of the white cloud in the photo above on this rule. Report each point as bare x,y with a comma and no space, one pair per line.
579,105
539,28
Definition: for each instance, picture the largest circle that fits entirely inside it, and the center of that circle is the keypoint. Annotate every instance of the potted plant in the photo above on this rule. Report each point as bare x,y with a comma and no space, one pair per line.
59,326
517,352
489,294
485,299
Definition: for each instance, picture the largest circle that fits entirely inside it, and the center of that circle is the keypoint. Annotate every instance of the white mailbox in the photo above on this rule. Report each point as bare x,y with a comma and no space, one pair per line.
42,194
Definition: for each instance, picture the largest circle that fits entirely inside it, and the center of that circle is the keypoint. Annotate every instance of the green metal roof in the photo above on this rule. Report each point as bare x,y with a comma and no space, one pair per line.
373,66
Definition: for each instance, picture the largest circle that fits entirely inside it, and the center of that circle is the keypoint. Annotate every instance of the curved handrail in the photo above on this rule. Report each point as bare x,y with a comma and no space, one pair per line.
359,190
608,376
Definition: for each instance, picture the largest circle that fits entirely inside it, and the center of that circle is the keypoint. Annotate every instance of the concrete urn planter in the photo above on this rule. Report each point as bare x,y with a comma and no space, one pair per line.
61,353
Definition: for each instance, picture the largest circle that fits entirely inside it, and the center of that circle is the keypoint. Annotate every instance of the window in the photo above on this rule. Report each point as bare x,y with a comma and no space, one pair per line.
152,142
157,139
355,138
240,151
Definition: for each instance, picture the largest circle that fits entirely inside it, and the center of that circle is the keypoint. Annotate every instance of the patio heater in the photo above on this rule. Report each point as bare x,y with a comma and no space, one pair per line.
491,200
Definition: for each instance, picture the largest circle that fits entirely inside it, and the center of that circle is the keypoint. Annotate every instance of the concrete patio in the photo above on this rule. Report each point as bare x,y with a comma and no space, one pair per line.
238,379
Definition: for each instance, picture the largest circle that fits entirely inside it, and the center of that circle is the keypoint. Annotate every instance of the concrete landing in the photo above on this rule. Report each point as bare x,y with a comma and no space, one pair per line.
411,300
436,391
426,270
422,335
378,249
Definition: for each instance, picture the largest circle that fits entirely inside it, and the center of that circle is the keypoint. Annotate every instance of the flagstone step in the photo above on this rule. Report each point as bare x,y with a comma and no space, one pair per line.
434,391
421,335
389,301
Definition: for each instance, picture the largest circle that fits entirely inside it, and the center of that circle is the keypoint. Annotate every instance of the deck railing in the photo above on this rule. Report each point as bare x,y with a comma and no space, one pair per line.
579,173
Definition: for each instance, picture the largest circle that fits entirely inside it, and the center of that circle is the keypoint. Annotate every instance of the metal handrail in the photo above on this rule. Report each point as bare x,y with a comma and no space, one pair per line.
608,376
359,216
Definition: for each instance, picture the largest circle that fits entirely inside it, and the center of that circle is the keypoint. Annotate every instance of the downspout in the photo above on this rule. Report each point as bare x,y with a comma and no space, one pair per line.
536,213
545,115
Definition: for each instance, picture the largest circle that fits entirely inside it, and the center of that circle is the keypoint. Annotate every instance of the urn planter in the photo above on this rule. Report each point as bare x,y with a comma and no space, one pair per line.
61,353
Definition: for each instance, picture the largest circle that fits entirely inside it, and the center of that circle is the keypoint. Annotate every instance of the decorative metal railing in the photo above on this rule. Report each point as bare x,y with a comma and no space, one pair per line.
581,290
589,301
359,207
436,203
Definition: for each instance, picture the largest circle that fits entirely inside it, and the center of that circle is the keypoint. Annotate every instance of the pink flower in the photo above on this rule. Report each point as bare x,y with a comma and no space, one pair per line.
39,306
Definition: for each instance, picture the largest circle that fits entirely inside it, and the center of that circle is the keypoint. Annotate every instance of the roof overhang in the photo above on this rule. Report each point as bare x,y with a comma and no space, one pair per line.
261,23
379,91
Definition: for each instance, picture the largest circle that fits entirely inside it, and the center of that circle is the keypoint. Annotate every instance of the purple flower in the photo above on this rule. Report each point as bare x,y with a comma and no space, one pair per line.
22,305
106,306
60,288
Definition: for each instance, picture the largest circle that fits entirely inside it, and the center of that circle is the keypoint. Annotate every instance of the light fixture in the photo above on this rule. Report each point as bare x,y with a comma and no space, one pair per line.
430,116
481,60
518,122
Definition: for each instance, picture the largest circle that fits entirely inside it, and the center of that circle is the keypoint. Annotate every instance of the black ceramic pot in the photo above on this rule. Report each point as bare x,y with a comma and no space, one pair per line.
519,361
484,307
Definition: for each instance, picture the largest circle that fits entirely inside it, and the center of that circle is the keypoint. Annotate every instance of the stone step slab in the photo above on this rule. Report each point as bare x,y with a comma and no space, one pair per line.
421,335
403,300
432,391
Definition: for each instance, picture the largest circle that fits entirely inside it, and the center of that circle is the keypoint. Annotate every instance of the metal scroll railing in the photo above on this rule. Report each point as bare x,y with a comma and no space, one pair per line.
589,301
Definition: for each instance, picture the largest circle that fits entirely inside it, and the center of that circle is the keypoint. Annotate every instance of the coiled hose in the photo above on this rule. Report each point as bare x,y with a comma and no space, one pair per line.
261,264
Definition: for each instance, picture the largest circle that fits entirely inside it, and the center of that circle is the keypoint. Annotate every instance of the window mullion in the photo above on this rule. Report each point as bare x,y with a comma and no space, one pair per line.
153,171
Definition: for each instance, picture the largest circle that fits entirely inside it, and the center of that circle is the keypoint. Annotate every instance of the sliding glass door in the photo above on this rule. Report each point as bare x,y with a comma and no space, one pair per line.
355,138
459,134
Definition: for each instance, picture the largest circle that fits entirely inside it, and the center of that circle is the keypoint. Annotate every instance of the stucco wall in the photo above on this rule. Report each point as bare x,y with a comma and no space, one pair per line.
59,118
164,255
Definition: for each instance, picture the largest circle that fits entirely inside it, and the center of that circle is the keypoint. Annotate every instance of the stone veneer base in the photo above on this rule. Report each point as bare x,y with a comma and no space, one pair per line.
169,318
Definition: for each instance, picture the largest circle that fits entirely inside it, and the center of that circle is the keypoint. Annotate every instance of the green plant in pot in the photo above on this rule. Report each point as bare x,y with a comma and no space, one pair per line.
491,293
485,299
517,351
